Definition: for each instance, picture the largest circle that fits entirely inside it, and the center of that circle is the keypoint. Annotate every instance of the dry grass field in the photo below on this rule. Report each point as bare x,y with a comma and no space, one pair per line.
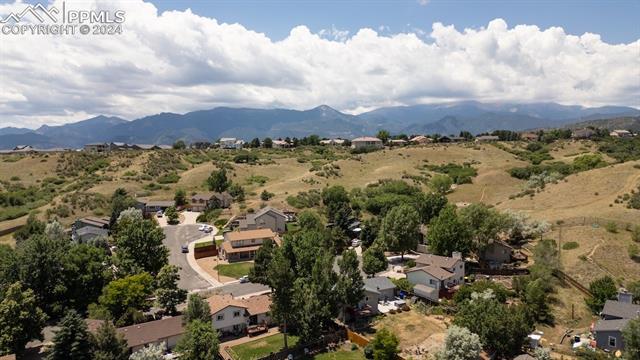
415,330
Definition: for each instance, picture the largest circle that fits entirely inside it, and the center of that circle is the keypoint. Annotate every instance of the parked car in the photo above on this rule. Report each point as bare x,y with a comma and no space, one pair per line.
208,229
244,279
184,249
355,242
202,227
159,214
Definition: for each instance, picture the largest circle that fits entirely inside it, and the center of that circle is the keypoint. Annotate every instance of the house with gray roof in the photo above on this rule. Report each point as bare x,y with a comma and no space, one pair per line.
434,274
377,289
265,218
615,316
211,200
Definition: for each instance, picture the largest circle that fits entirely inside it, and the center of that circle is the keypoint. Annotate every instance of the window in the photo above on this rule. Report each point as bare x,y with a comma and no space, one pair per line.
236,314
220,317
612,341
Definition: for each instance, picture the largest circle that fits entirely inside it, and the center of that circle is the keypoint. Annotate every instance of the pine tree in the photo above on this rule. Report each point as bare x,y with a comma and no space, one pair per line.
109,345
72,341
197,309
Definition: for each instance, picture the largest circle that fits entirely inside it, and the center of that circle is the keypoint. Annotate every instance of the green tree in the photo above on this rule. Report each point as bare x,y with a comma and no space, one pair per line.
140,246
634,289
237,192
131,292
172,215
267,143
179,145
218,181
370,230
21,320
86,271
180,197
41,268
631,336
635,233
8,268
501,328
255,143
72,341
200,342
282,279
197,309
259,273
168,294
55,231
485,224
373,260
309,220
400,229
383,135
109,345
447,233
350,286
33,226
120,201
384,345
441,183
430,205
150,352
460,344
266,196
602,289
537,300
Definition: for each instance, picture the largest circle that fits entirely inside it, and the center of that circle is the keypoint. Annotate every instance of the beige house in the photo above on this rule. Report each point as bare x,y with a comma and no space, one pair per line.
621,134
433,274
232,316
242,245
265,218
366,142
421,140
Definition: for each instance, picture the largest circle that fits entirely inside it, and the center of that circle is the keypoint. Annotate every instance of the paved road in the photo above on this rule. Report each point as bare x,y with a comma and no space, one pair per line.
176,236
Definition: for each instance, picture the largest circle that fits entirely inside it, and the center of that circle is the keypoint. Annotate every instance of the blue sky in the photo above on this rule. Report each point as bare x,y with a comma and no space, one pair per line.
301,54
616,21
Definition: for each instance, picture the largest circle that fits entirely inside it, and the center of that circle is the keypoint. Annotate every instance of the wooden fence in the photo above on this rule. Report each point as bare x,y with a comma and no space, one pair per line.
10,230
205,251
357,339
571,281
590,221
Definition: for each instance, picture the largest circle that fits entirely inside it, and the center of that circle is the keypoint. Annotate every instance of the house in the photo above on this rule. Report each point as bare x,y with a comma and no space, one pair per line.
100,223
97,147
167,331
434,274
377,289
615,316
334,142
88,233
150,207
145,147
496,254
450,139
242,245
265,218
280,144
487,138
231,143
231,316
366,142
528,136
397,142
621,134
420,140
582,134
211,200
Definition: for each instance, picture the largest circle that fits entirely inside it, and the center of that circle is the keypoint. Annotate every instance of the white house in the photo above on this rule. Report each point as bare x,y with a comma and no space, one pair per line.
367,142
434,273
621,134
231,143
232,316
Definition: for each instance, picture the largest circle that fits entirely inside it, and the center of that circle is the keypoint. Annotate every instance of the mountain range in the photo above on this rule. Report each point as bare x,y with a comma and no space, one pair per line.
246,123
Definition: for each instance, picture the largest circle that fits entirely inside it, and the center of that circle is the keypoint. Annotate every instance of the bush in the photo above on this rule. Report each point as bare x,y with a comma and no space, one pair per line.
634,252
170,178
611,227
570,245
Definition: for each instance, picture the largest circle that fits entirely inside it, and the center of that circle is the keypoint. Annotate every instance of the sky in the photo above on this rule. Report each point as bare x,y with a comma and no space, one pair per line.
186,55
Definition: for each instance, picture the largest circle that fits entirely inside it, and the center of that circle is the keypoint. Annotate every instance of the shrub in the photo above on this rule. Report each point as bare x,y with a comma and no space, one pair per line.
611,227
170,178
634,252
570,245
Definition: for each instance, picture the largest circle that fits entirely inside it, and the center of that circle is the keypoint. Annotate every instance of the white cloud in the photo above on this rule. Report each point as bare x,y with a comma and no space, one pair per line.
178,61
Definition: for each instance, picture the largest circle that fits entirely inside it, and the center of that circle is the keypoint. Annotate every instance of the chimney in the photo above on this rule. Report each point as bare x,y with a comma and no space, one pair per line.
624,296
456,255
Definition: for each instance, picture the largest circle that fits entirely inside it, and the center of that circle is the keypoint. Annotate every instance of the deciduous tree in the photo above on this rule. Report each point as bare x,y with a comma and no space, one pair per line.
602,289
259,271
631,336
384,345
21,320
200,342
197,309
140,246
180,197
448,234
400,229
218,181
373,259
460,344
131,292
350,286
109,345
168,294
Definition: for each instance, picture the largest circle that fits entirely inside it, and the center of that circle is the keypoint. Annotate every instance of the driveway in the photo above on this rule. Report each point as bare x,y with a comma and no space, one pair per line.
176,236
238,289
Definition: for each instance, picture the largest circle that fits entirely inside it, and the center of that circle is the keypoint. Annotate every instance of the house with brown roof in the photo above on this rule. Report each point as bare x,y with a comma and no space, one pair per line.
420,140
167,331
582,134
529,136
211,200
231,316
150,207
434,274
496,254
242,245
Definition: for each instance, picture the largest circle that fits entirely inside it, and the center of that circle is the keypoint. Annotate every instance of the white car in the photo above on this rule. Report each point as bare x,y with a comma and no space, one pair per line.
202,227
208,229
355,242
159,214
244,279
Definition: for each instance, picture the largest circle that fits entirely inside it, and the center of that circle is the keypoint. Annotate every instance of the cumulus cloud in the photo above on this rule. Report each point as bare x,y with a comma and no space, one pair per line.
179,61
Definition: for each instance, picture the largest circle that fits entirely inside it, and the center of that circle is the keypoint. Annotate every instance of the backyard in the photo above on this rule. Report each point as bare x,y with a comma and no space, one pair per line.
262,347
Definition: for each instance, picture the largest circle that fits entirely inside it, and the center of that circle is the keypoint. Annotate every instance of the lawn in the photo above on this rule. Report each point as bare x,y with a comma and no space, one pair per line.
261,347
235,270
269,344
